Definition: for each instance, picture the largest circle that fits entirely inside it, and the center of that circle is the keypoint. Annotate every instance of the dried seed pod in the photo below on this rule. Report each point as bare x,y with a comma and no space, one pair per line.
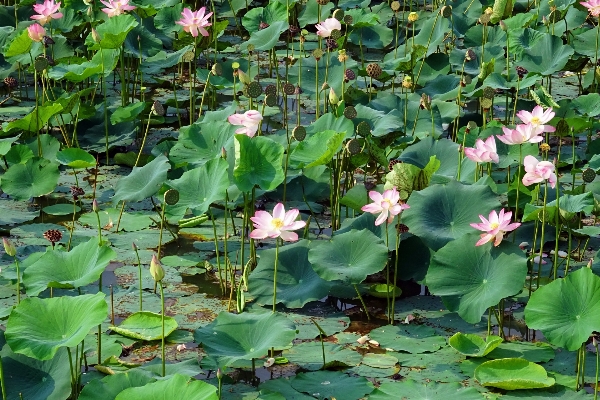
254,89
76,192
323,2
289,89
363,129
11,82
470,55
350,112
521,72
374,70
53,235
349,75
331,44
158,108
299,133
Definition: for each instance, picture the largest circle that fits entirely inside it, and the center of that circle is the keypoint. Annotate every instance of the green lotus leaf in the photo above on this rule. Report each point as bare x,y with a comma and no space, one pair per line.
201,186
61,209
47,147
38,328
512,374
566,309
472,278
127,113
59,269
28,378
317,149
145,325
375,37
442,213
258,161
379,360
349,257
548,56
110,386
113,32
36,177
232,337
284,387
332,384
534,352
588,104
551,393
199,143
273,12
473,345
130,222
35,120
142,182
6,144
266,38
309,355
297,282
101,61
410,389
410,338
19,45
174,387
76,158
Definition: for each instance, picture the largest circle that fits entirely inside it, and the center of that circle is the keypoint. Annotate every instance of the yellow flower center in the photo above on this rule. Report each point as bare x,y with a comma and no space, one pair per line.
277,223
389,203
494,225
535,121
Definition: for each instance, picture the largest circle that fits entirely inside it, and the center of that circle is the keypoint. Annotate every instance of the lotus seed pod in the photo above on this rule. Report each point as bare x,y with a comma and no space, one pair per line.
363,129
188,56
562,128
489,93
254,89
235,65
374,70
271,100
317,54
338,14
299,133
53,235
217,69
348,20
171,197
446,11
289,89
392,163
336,34
413,17
250,48
349,75
9,248
76,192
322,2
588,175
471,125
350,112
485,19
331,44
395,6
470,55
40,64
156,269
11,82
158,108
486,104
544,147
271,89
353,146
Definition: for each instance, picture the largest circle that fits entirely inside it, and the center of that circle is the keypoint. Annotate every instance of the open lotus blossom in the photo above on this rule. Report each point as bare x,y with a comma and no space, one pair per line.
280,224
523,133
538,171
250,120
195,21
36,32
495,227
325,28
46,11
116,7
484,151
387,205
593,6
538,118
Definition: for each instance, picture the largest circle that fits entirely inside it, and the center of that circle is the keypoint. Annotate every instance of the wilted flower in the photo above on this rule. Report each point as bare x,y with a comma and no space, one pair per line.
250,120
270,361
181,347
523,133
325,28
538,118
483,151
538,171
387,205
36,32
46,11
362,339
116,7
156,269
593,6
277,225
495,227
195,21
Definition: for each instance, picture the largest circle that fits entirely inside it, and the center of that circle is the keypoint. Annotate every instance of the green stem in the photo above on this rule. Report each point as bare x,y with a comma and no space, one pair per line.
4,385
275,274
395,275
18,280
162,322
139,262
362,302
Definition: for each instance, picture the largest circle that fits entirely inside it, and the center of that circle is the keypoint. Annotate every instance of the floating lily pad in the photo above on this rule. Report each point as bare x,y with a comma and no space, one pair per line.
129,221
145,325
328,384
61,209
512,374
473,345
309,355
430,391
534,352
409,338
176,386
110,386
284,387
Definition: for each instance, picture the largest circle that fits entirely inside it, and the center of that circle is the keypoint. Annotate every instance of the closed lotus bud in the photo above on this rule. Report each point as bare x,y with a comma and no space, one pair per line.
156,269
9,248
96,36
223,153
95,205
134,246
219,374
333,98
589,264
503,26
243,77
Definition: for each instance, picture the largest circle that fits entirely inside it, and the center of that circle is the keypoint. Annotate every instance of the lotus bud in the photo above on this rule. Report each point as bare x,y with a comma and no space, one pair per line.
594,341
223,153
95,206
503,26
325,86
270,361
589,264
9,248
156,269
219,374
96,36
243,77
333,98
134,246
90,11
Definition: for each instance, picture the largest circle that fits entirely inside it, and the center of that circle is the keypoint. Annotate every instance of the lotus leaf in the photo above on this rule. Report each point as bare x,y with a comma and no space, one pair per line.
173,387
512,374
473,345
327,384
409,338
142,182
258,162
35,178
431,391
145,325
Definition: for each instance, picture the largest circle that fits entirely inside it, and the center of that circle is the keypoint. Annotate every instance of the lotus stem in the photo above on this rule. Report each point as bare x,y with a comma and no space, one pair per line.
212,218
387,276
597,367
542,235
137,160
393,310
4,385
162,321
139,263
362,302
275,274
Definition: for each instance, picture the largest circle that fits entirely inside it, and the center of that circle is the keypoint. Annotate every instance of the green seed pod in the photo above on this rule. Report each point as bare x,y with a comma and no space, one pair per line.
40,64
363,129
489,93
353,146
336,34
338,14
350,112
348,20
217,69
188,56
299,133
317,54
271,89
486,103
271,100
158,108
446,11
254,89
588,175
171,197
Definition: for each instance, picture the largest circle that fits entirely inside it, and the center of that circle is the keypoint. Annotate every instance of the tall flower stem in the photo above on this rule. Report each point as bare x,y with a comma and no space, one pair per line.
275,274
362,302
387,276
594,86
518,186
395,275
2,381
139,262
162,323
539,272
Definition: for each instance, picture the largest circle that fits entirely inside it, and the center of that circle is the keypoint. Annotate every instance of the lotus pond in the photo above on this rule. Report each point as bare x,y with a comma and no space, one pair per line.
299,199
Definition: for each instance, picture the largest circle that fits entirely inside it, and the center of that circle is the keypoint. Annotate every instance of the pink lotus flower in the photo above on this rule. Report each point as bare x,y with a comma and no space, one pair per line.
484,151
538,118
495,227
593,6
523,133
36,32
277,225
325,28
250,120
194,21
116,7
538,171
386,205
47,11
540,260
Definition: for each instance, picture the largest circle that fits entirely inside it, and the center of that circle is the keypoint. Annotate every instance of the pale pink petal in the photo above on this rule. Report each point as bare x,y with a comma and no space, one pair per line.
289,236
